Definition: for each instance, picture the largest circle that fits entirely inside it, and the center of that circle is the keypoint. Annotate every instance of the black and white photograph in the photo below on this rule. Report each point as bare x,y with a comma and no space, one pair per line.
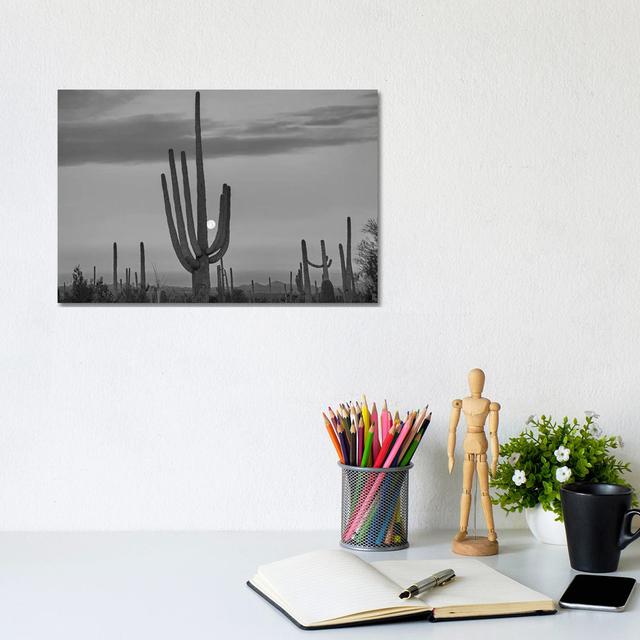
218,196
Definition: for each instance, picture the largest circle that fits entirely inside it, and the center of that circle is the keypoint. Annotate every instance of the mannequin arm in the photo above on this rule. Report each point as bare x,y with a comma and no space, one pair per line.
494,408
453,425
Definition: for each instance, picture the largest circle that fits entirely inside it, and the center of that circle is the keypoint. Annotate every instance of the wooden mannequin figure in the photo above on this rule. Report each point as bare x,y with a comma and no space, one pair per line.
475,409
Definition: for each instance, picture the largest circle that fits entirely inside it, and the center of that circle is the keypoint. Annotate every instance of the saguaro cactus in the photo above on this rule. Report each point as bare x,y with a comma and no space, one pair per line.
305,272
197,258
299,281
231,278
346,268
327,293
306,263
143,272
324,265
222,279
115,266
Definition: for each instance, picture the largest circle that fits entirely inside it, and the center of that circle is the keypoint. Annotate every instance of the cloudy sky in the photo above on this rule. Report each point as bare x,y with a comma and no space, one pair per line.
298,163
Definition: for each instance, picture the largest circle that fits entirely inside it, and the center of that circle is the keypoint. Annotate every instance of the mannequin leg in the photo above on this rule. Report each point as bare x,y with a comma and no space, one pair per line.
465,498
483,481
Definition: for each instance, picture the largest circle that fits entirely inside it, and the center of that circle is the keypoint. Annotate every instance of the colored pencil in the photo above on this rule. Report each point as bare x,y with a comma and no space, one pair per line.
361,438
384,449
368,444
344,419
365,414
334,438
376,432
412,434
344,445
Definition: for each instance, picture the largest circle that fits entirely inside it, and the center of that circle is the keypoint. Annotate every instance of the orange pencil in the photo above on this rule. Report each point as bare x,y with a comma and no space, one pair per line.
333,437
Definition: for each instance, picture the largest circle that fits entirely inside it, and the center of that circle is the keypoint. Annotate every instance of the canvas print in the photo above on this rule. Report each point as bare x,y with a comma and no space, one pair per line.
218,197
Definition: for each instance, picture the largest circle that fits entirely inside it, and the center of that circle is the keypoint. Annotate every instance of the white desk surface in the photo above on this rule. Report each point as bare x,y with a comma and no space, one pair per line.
92,586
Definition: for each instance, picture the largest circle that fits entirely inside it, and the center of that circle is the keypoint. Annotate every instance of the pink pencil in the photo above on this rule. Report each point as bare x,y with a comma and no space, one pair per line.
376,431
364,507
385,422
416,426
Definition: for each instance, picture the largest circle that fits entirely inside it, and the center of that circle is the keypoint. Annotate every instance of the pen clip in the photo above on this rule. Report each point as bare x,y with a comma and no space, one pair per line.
447,580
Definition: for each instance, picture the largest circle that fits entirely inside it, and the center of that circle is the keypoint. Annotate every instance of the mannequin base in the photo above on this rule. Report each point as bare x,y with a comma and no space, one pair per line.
475,546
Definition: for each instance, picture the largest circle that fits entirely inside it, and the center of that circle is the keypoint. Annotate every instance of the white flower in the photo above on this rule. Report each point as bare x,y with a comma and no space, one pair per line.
563,474
595,430
561,454
531,419
513,458
518,477
591,414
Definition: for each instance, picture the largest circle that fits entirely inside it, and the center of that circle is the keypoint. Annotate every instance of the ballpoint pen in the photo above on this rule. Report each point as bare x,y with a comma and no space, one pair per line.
436,580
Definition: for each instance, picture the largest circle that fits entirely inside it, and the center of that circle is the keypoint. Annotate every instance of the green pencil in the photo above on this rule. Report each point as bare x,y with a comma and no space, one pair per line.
368,444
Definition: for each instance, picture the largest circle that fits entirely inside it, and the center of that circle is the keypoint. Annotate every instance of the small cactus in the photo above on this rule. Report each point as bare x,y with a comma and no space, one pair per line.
299,283
326,292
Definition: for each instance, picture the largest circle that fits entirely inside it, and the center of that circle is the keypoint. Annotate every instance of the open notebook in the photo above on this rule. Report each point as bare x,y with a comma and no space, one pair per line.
336,588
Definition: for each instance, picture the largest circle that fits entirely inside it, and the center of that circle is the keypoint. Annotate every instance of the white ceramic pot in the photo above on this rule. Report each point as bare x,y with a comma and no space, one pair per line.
544,526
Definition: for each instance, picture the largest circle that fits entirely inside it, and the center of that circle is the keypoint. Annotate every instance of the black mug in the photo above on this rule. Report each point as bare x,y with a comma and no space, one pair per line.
597,519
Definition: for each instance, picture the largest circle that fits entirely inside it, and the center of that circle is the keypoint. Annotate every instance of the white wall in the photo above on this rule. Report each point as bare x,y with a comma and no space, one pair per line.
510,208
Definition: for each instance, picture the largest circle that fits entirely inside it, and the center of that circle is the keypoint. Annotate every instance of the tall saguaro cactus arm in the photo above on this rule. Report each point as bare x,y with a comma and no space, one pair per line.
183,259
221,242
193,238
201,194
177,204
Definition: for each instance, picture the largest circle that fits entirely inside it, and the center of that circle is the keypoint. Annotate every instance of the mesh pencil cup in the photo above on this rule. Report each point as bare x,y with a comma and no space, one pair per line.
375,508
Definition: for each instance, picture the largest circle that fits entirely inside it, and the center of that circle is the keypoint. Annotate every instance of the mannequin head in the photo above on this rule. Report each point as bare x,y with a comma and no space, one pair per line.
476,382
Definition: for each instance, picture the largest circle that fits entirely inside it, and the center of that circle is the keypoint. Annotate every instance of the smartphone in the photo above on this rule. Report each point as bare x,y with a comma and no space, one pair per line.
602,593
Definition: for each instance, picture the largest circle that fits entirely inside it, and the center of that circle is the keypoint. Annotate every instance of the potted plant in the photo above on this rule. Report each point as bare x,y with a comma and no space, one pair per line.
534,465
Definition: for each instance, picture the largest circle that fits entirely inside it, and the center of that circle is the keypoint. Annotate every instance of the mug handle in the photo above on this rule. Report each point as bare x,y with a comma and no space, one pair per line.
626,537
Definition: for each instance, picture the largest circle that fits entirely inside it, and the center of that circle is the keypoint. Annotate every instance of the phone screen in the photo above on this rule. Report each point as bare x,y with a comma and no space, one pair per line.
598,591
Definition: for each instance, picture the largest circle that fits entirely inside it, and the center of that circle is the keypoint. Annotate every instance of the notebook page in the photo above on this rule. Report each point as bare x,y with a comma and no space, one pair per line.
475,582
324,585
